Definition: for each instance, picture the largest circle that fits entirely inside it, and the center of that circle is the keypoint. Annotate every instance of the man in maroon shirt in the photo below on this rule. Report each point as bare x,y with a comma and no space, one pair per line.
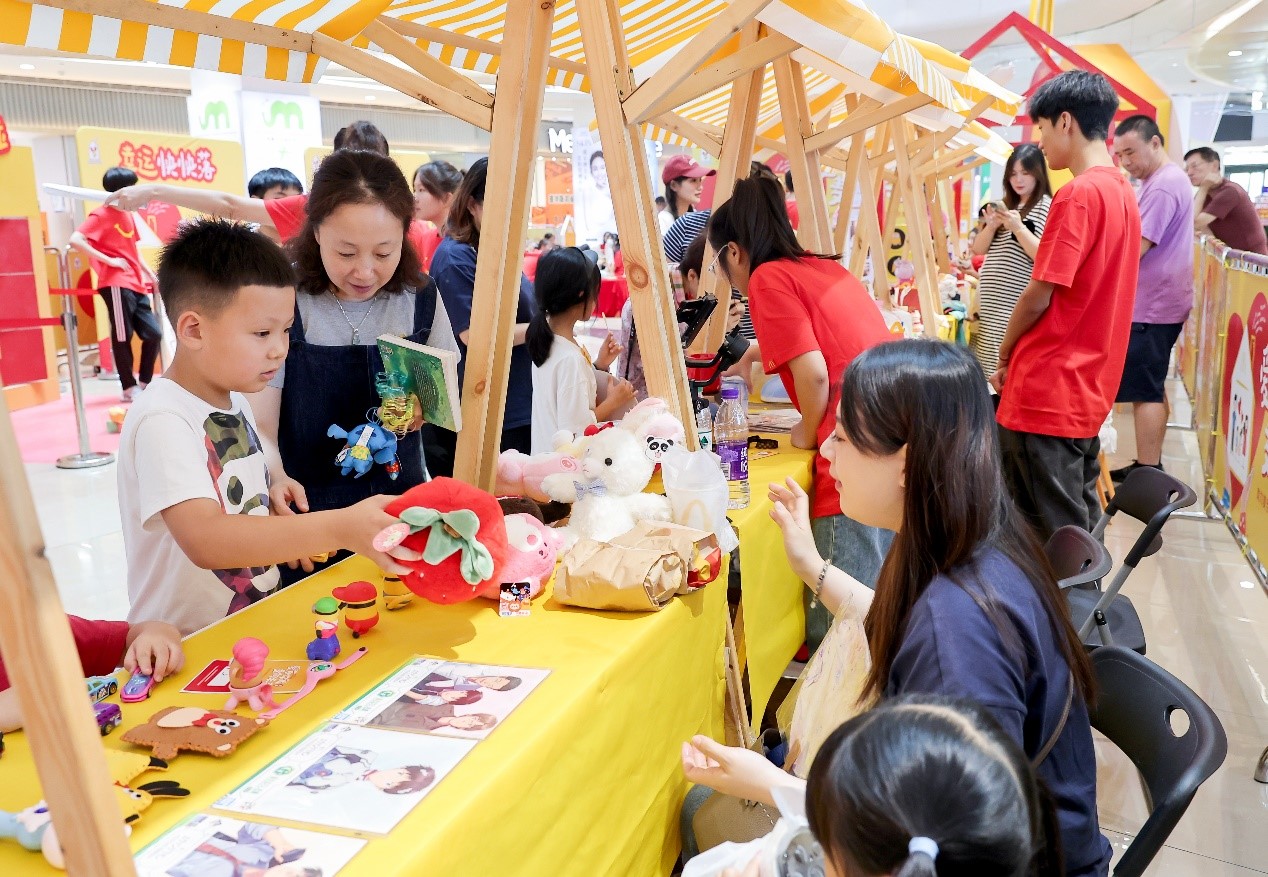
1222,208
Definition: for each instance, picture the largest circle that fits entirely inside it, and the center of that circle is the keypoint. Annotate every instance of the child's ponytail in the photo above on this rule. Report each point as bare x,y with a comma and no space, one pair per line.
565,279
922,858
539,337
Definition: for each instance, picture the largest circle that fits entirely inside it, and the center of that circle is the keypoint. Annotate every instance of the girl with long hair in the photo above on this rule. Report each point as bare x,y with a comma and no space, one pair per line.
811,317
434,186
1009,239
454,267
966,604
684,185
565,384
357,279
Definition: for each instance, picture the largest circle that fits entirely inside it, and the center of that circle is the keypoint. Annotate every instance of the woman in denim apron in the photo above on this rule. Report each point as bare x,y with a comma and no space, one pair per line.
357,278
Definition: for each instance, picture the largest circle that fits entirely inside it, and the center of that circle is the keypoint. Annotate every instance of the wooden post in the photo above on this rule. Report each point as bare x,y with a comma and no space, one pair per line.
44,668
916,210
611,81
517,105
869,235
939,220
737,152
812,204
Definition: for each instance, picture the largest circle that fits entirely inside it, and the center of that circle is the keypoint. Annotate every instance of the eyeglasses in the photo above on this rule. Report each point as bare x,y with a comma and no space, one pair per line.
713,266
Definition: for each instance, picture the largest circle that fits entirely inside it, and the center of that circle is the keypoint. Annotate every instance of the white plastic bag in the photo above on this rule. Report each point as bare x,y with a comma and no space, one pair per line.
698,494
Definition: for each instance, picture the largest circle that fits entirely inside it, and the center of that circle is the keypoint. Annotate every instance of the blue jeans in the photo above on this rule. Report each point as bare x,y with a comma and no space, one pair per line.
857,549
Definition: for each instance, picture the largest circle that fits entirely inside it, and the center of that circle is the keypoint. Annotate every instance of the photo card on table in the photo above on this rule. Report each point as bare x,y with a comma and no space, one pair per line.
348,777
448,698
207,845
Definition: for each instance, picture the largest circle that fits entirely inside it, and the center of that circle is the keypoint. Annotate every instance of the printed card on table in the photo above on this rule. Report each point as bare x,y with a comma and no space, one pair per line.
207,845
286,677
343,776
446,698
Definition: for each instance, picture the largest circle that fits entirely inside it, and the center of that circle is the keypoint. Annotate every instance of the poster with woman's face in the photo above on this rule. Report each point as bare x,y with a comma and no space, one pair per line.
593,211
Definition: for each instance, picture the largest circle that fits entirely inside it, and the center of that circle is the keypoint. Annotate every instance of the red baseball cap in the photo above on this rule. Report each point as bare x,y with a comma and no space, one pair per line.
682,166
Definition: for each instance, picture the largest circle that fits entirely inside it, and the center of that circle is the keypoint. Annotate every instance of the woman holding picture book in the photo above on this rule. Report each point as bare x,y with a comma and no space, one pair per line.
357,280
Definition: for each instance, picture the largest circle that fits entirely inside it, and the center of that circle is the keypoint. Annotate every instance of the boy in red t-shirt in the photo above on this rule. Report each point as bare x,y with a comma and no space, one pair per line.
108,237
1062,357
152,647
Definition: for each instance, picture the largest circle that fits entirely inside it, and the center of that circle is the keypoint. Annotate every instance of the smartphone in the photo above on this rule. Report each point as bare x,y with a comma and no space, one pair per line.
997,206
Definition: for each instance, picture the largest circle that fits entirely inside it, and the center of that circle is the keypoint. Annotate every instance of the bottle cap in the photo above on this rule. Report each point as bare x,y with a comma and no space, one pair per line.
730,392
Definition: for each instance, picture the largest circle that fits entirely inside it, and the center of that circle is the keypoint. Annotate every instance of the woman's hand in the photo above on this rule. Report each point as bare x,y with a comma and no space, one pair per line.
285,491
732,770
1012,221
791,511
609,350
130,198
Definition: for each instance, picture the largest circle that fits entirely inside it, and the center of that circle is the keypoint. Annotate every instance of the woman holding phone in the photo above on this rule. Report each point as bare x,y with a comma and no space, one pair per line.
1009,238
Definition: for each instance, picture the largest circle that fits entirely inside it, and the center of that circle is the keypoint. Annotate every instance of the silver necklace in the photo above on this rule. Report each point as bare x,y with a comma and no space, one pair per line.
356,330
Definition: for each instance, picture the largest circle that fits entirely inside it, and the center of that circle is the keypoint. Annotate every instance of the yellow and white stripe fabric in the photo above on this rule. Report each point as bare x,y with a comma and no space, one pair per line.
971,83
81,33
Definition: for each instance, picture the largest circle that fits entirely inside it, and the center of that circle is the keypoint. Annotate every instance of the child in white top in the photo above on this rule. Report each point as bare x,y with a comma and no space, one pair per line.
565,384
193,482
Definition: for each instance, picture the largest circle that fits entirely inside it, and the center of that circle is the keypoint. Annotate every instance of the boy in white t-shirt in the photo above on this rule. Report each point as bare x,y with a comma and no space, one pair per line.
193,482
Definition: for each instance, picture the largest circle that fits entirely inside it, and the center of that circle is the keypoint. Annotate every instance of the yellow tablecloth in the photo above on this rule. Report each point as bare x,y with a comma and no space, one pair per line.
583,778
774,615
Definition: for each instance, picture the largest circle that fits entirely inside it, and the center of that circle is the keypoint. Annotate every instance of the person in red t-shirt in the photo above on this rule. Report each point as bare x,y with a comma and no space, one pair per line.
790,202
811,317
1062,356
434,186
152,647
108,237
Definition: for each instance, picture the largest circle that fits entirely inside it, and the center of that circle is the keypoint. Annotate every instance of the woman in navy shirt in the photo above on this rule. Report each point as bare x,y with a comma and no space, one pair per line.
453,267
966,604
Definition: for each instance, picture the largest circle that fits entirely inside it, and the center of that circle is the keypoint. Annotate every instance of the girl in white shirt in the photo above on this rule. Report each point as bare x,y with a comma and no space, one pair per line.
565,383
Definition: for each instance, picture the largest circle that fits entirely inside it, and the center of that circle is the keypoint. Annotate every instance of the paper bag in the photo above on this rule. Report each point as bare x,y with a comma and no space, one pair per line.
698,494
698,548
599,575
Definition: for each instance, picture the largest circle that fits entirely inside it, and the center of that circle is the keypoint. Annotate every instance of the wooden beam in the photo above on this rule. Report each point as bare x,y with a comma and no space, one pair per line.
474,44
178,18
947,161
45,672
868,235
706,79
517,105
868,119
938,220
812,204
697,132
732,18
737,152
849,188
916,210
645,271
387,36
407,82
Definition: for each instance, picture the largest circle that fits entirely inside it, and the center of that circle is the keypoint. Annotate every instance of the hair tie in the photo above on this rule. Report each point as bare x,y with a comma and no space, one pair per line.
925,845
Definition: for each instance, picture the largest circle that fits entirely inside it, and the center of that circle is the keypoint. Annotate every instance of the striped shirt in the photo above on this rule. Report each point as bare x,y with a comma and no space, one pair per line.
1004,276
684,230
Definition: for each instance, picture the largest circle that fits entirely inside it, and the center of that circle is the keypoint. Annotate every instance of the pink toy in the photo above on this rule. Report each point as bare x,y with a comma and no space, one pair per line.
246,676
654,426
532,556
521,475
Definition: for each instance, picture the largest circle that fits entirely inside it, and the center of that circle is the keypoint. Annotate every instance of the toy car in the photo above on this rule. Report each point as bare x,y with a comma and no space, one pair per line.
109,716
137,688
101,687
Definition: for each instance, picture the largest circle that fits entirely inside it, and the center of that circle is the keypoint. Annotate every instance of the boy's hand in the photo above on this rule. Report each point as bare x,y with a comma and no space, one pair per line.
285,491
362,522
154,648
609,350
130,198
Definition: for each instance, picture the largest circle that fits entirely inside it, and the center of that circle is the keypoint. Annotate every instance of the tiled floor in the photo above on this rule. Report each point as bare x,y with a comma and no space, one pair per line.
1205,616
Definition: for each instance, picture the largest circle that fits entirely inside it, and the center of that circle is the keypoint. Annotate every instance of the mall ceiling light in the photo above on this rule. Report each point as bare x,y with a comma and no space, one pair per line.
1235,53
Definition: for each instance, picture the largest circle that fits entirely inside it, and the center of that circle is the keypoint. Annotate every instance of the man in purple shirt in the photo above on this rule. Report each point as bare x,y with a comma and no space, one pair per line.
1164,290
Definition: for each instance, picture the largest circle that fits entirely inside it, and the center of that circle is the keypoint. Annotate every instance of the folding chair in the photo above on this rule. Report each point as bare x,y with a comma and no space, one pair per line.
1134,708
1149,496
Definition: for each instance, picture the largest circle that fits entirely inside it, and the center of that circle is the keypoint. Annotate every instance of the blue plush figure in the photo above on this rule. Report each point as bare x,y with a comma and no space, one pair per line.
364,446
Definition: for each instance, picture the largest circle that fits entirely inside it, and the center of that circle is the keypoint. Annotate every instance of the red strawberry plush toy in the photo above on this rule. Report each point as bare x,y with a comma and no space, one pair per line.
461,533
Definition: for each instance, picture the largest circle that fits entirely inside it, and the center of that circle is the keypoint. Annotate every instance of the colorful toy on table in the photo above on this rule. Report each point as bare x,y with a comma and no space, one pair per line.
193,729
364,446
247,678
325,645
101,687
460,532
114,418
317,671
607,494
108,716
395,594
522,475
360,604
531,559
137,688
654,426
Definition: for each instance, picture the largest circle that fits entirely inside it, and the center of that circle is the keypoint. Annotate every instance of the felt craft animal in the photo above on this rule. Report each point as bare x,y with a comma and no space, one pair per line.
194,729
607,495
533,547
364,446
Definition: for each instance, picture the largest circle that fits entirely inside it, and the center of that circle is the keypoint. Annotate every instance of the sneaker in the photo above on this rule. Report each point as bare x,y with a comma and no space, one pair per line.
130,393
1120,475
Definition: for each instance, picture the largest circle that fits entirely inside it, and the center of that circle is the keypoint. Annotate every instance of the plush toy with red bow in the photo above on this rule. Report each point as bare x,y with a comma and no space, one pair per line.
461,533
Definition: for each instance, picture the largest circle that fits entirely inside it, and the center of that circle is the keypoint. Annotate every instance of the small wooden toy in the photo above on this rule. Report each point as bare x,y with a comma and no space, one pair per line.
247,677
193,729
359,602
395,594
325,645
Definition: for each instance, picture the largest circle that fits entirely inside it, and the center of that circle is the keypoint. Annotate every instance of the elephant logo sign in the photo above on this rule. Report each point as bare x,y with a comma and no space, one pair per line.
215,115
286,112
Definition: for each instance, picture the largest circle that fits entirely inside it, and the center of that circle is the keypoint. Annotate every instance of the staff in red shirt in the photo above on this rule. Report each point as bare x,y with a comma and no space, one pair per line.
811,317
434,186
1062,357
109,238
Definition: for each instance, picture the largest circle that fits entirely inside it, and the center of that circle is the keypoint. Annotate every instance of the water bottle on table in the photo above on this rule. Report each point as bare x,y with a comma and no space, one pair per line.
730,443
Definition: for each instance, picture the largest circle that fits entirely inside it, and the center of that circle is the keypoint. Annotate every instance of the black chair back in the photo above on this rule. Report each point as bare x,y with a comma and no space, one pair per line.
1077,557
1150,496
1135,708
